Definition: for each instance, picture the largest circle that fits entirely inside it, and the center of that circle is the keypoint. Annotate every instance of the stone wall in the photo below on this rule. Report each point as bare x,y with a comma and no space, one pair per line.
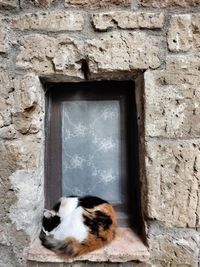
156,42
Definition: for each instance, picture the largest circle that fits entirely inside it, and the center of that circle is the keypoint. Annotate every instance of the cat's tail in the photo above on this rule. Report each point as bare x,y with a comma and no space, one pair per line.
70,247
61,248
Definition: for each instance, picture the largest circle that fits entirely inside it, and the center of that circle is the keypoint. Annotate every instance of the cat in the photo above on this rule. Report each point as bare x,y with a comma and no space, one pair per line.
78,225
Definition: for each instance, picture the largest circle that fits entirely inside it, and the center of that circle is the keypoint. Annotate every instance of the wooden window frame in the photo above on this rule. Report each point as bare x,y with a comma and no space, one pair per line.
130,211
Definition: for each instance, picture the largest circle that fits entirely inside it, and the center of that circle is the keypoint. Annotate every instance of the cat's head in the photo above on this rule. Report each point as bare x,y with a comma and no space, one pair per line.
50,221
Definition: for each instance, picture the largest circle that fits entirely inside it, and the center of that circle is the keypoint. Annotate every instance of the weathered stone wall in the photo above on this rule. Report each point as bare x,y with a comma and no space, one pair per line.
150,40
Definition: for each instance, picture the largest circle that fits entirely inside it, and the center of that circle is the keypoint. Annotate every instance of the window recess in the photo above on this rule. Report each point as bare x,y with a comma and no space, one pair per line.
92,145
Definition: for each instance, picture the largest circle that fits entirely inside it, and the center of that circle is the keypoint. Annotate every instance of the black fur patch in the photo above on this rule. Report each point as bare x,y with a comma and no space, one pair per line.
44,240
50,223
57,206
42,235
104,220
92,224
90,202
99,220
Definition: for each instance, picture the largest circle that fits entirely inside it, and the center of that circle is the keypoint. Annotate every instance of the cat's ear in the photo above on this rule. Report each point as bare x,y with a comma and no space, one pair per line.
48,213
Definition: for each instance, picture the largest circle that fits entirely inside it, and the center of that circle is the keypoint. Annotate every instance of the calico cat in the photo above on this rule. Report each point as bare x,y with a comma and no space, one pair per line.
77,225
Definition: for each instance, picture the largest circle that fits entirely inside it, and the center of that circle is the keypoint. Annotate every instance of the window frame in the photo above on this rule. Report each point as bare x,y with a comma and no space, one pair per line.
129,213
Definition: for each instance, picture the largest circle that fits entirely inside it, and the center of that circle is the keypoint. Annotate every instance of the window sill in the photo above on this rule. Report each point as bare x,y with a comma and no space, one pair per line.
127,246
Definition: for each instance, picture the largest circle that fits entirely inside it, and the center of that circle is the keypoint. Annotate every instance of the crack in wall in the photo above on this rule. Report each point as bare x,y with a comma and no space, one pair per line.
85,68
127,49
195,170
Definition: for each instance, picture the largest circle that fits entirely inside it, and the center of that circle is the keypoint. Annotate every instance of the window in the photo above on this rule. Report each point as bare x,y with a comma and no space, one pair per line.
91,145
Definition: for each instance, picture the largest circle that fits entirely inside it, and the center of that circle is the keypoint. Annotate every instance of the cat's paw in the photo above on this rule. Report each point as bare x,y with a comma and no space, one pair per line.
42,234
48,213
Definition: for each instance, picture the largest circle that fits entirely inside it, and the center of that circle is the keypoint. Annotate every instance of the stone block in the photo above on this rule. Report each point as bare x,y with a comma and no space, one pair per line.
26,152
36,53
62,21
8,132
117,52
21,103
5,89
150,20
40,3
183,64
48,55
63,55
179,35
5,115
4,84
173,179
184,32
173,251
127,20
96,4
116,19
26,95
172,105
169,3
196,30
8,4
2,37
27,121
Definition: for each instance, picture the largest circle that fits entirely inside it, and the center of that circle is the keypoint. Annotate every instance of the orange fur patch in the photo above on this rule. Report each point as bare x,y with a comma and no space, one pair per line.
101,223
93,242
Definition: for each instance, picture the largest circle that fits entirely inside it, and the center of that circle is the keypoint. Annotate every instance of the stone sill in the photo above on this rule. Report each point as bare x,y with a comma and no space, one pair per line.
127,246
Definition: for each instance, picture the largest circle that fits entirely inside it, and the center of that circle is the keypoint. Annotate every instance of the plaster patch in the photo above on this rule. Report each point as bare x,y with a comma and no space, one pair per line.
24,213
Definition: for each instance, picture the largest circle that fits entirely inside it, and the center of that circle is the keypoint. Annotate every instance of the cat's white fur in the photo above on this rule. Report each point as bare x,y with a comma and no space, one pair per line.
71,221
67,206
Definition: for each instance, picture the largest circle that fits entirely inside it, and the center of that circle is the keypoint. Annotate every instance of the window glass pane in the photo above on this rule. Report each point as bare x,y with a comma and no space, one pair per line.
91,162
